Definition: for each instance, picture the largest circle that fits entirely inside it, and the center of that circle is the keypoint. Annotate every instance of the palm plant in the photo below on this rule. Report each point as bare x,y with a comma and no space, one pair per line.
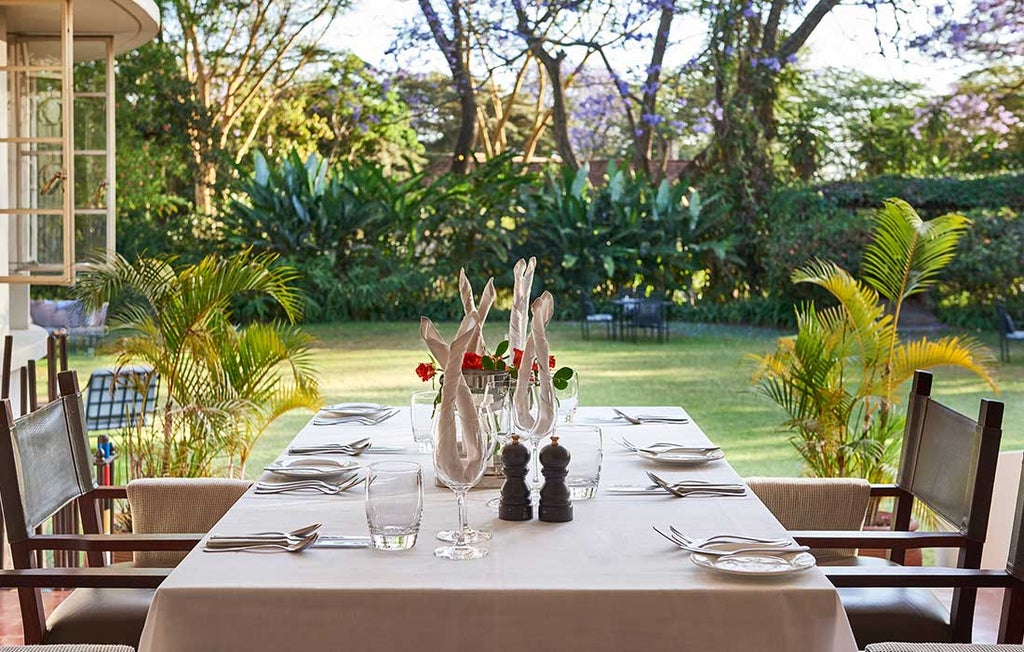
837,378
224,383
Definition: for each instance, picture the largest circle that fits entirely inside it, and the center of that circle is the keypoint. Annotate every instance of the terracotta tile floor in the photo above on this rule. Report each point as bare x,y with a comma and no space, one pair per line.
986,621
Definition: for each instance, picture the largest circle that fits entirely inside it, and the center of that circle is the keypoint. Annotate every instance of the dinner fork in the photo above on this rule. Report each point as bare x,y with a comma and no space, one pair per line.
665,447
725,538
640,420
286,545
709,490
297,533
765,549
300,485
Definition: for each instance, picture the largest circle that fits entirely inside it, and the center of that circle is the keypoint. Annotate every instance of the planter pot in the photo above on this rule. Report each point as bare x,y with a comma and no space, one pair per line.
882,523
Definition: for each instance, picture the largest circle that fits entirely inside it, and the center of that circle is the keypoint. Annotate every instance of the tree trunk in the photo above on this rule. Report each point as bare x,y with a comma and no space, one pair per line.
559,113
642,147
467,115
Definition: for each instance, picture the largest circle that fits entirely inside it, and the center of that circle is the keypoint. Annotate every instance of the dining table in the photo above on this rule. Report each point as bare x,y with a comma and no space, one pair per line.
603,581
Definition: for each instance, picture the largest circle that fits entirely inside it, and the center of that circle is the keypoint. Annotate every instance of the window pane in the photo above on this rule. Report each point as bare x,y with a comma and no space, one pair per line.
90,237
90,181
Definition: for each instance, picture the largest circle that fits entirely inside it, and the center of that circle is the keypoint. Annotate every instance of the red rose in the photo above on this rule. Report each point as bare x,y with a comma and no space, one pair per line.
426,371
472,361
517,357
551,361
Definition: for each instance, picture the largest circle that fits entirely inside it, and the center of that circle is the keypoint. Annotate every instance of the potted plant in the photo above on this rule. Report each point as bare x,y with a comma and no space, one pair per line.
838,378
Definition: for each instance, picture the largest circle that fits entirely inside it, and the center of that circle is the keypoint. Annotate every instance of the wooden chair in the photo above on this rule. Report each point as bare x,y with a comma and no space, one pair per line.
1011,623
45,465
948,462
1007,332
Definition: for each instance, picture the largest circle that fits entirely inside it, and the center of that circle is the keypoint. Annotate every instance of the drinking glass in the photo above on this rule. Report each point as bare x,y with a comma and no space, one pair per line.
421,415
394,504
534,434
567,400
461,477
586,449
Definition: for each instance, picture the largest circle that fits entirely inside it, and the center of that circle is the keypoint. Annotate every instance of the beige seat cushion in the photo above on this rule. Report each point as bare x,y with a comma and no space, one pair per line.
880,615
178,506
942,647
111,616
66,648
859,562
816,504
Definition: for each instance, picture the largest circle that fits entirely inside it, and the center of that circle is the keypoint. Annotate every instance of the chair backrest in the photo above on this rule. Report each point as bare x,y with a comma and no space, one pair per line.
649,312
119,398
45,463
1005,322
587,304
949,460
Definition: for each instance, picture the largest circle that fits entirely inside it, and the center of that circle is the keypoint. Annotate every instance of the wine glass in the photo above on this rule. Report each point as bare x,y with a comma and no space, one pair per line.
567,399
460,472
492,396
535,432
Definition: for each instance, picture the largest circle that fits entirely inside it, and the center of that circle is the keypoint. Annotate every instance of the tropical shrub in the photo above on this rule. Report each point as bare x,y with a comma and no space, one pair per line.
222,383
837,378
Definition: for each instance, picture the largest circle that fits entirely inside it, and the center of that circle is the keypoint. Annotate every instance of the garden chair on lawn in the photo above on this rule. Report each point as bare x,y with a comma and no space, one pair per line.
649,314
589,315
1007,332
947,462
46,464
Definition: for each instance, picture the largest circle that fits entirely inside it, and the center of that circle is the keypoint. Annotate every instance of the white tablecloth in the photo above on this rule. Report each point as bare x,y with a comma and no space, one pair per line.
604,581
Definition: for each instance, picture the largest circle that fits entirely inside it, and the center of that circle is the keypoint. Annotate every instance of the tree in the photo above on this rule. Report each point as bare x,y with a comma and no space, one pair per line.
350,111
239,58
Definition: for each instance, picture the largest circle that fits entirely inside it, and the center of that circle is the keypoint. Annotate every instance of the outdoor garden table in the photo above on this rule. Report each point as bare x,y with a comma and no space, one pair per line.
604,581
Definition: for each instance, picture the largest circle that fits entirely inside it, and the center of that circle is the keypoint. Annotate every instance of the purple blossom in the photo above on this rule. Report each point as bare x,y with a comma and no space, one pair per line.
748,11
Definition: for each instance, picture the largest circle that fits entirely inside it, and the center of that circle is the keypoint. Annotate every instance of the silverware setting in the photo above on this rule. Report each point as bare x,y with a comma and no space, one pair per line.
369,419
292,541
660,447
321,486
761,546
354,448
697,488
641,419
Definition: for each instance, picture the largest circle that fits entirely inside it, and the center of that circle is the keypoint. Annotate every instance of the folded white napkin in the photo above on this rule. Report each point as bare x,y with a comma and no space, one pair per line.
541,418
476,343
456,400
522,284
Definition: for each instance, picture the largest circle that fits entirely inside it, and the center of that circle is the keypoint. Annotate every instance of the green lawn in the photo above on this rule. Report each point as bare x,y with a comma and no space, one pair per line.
705,369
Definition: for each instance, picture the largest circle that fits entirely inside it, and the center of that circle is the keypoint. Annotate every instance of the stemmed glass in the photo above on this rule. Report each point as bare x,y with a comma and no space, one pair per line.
461,477
534,432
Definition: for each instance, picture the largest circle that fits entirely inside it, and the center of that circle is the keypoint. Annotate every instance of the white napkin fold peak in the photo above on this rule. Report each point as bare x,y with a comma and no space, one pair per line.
476,344
522,284
542,420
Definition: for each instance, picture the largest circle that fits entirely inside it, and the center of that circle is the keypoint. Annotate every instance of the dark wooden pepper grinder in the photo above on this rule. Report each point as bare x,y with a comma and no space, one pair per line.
515,502
555,501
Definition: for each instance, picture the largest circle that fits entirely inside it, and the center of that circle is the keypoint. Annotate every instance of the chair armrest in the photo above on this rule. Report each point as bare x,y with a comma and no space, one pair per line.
916,577
110,577
109,493
886,490
880,539
115,542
